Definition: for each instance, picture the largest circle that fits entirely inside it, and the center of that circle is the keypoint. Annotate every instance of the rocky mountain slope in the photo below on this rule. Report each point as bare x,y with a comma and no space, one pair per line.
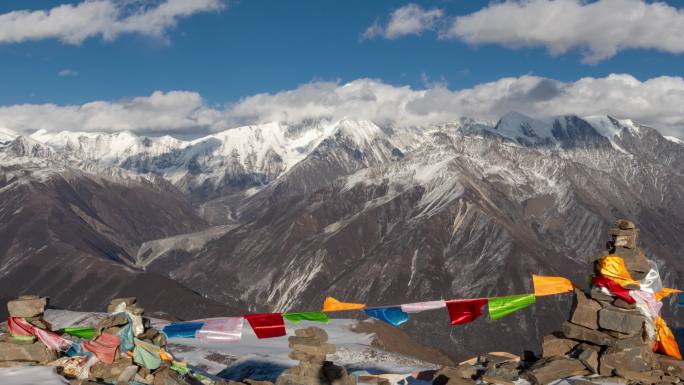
382,214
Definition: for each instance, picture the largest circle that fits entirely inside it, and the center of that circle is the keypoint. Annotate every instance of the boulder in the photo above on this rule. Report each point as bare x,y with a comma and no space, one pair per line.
26,352
550,370
554,346
27,306
585,310
621,321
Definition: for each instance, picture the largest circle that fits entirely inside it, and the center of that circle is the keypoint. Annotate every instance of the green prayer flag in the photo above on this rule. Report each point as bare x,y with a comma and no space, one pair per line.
85,333
503,306
308,316
146,354
24,338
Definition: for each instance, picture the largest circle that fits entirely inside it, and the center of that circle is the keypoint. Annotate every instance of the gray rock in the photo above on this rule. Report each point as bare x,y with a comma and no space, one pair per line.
636,359
585,310
551,370
554,346
580,333
621,321
26,352
27,306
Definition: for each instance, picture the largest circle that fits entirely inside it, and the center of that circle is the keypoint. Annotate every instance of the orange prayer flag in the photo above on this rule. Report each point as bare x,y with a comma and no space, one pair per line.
665,293
551,285
613,267
665,340
331,304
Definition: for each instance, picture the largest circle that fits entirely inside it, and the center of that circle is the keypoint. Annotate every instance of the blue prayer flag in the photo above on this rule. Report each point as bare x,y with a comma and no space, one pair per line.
182,329
392,315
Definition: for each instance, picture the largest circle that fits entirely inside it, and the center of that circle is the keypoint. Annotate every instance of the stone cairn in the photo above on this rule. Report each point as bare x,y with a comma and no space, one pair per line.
15,352
605,339
22,352
310,347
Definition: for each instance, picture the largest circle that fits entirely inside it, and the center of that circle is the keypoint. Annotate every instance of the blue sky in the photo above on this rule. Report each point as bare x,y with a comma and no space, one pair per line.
260,46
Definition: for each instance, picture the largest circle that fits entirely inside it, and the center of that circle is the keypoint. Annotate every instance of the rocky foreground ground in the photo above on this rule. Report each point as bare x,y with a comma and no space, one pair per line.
605,341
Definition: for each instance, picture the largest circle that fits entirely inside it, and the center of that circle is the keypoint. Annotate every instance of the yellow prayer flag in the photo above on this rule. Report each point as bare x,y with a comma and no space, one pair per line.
331,304
613,267
665,293
551,285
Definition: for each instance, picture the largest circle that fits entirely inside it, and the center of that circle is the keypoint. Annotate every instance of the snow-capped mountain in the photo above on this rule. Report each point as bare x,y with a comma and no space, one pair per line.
277,216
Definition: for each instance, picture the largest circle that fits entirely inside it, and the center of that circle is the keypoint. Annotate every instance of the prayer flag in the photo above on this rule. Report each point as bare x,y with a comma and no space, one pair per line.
307,316
182,329
104,347
418,307
665,340
392,315
331,304
224,330
613,287
85,333
503,306
665,293
613,267
20,328
462,311
551,285
267,325
147,355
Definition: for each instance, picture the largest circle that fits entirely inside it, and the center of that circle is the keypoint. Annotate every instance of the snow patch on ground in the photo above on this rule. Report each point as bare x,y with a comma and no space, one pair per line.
31,375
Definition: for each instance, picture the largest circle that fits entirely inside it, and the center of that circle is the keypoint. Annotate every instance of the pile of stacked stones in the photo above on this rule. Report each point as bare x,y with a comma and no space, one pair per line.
310,347
605,339
16,352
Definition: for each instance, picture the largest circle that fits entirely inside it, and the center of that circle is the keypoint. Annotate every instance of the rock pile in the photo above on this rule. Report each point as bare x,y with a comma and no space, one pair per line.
310,347
25,351
611,332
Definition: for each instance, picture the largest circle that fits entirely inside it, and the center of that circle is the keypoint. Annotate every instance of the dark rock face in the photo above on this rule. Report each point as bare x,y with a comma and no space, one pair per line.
74,237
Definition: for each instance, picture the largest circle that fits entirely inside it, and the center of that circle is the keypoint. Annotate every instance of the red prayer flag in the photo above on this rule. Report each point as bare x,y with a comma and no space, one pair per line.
267,325
462,311
105,347
614,288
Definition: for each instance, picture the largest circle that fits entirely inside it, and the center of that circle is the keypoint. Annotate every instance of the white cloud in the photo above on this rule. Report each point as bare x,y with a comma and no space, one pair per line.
67,72
599,29
410,19
74,23
656,102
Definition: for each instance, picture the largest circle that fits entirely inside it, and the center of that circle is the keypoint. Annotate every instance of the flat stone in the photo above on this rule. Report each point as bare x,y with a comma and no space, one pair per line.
636,359
305,341
26,352
585,310
300,356
621,321
27,306
555,369
622,304
312,332
127,374
293,379
651,377
670,366
497,380
112,321
315,350
581,333
116,301
590,359
554,346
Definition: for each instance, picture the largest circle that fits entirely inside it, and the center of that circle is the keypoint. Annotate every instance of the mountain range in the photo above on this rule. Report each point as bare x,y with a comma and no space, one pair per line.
277,216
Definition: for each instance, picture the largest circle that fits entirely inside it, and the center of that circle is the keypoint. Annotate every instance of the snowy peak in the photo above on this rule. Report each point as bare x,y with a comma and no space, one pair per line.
7,135
524,130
